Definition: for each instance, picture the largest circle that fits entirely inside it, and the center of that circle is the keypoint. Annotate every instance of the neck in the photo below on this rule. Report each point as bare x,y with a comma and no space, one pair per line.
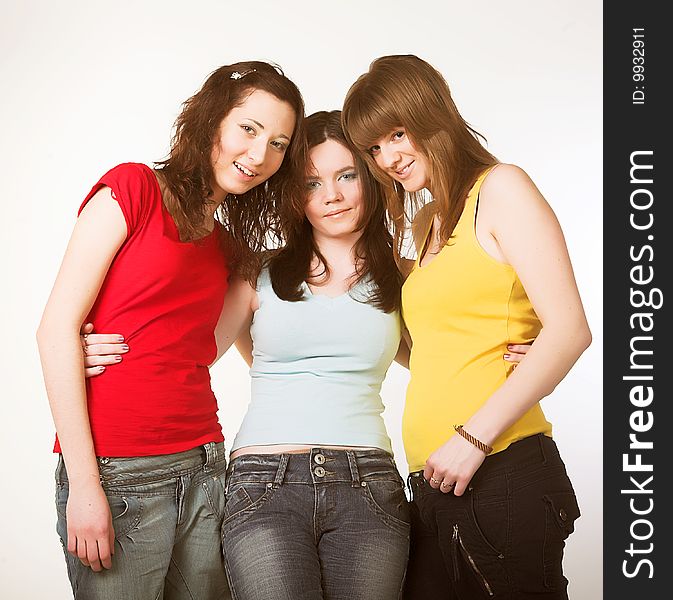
338,251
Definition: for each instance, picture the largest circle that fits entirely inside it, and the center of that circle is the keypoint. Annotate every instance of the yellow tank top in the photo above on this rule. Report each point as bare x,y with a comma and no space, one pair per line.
462,309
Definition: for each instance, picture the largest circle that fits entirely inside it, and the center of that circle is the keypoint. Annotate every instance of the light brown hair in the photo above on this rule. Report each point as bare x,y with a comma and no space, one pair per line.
405,91
251,219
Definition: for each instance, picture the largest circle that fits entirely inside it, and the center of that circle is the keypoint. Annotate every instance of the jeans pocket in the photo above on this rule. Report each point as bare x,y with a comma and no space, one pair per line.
561,513
125,509
242,500
388,501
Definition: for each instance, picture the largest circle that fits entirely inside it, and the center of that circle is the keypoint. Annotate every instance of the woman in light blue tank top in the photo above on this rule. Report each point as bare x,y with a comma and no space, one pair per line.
315,507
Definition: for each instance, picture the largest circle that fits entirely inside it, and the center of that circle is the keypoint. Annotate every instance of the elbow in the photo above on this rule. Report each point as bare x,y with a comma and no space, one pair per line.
584,337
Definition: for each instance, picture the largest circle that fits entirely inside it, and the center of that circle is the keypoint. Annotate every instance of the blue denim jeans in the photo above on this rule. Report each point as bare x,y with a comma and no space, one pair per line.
325,524
167,514
503,538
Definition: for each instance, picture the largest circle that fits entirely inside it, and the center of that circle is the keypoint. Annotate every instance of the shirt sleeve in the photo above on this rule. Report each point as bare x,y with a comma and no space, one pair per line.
130,185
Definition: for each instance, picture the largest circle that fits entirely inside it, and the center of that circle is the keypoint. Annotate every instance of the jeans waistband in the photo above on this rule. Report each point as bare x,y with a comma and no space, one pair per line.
536,449
317,466
209,457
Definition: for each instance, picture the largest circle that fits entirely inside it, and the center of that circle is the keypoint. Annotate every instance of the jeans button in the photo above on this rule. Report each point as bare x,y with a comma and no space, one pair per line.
319,459
319,472
563,514
103,460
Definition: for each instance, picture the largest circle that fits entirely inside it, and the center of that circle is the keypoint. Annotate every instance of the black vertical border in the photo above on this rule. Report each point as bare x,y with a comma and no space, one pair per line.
628,128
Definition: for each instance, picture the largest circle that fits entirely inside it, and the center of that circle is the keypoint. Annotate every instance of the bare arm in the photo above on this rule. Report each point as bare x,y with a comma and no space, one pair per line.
404,349
526,234
236,315
98,234
244,346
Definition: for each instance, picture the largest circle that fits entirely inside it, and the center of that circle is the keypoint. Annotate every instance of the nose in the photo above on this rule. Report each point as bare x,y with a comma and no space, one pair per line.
257,152
332,194
388,157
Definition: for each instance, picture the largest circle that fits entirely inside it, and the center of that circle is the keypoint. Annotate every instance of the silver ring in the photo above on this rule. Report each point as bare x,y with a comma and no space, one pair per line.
448,485
434,480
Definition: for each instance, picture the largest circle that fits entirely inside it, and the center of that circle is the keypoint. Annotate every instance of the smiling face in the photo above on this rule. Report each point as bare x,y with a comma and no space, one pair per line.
395,154
334,193
250,144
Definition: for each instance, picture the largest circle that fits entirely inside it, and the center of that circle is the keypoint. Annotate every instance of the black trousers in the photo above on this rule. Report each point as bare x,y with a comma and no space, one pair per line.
503,538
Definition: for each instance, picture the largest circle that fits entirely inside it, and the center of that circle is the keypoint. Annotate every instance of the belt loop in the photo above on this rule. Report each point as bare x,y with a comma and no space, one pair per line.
211,456
411,489
280,472
540,438
353,465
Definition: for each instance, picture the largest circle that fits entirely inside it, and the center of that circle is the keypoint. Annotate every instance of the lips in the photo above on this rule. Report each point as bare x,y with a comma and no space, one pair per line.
244,170
404,171
335,213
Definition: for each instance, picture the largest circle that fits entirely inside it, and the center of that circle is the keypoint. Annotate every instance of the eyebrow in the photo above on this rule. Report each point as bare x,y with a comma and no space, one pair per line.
282,135
313,176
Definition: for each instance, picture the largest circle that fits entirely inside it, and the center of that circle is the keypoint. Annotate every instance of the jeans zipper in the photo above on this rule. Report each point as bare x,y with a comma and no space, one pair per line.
478,573
454,552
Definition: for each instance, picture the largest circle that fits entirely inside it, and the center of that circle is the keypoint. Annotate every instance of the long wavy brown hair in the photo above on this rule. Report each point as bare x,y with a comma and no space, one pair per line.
405,91
250,219
373,251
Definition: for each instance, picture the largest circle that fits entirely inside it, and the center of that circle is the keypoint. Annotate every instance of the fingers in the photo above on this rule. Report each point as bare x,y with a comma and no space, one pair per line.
95,360
518,348
93,371
444,484
513,357
445,487
86,328
516,352
105,553
93,553
460,487
104,338
95,348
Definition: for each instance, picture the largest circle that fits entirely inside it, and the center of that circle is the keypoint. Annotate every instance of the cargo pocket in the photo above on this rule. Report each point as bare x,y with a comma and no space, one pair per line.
562,512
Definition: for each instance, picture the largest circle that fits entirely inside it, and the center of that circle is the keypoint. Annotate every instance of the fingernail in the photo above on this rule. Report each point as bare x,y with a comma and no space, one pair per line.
125,347
509,346
507,355
100,369
118,358
120,338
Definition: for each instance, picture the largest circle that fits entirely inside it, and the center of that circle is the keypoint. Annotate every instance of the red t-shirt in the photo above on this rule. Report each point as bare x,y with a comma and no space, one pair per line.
164,296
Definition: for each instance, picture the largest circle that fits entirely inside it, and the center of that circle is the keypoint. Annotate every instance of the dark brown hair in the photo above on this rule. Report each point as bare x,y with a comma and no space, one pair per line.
251,219
291,265
405,91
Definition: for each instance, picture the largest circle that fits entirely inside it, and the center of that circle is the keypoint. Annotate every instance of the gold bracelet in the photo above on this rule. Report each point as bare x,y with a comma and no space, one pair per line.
485,448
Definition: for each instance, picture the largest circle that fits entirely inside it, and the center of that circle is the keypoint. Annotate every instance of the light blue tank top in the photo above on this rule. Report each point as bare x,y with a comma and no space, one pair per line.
317,370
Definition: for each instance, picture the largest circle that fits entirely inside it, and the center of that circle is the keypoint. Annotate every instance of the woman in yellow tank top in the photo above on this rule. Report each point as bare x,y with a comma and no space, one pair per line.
492,503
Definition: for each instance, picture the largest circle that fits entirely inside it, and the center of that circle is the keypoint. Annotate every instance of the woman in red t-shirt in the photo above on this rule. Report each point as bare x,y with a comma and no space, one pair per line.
141,459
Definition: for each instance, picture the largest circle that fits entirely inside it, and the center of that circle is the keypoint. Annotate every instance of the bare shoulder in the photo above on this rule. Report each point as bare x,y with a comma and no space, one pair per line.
508,187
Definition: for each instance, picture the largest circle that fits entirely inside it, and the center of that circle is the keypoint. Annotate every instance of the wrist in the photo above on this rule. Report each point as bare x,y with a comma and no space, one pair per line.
84,482
476,442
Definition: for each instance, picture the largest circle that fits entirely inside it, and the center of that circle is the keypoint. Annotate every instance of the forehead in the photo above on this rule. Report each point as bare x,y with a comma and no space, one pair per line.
266,109
330,156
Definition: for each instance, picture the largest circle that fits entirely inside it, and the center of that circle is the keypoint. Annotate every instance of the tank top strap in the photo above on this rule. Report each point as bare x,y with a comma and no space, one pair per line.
469,217
473,194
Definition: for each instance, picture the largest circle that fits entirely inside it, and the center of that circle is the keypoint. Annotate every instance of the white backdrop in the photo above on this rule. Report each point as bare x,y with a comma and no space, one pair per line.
88,84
